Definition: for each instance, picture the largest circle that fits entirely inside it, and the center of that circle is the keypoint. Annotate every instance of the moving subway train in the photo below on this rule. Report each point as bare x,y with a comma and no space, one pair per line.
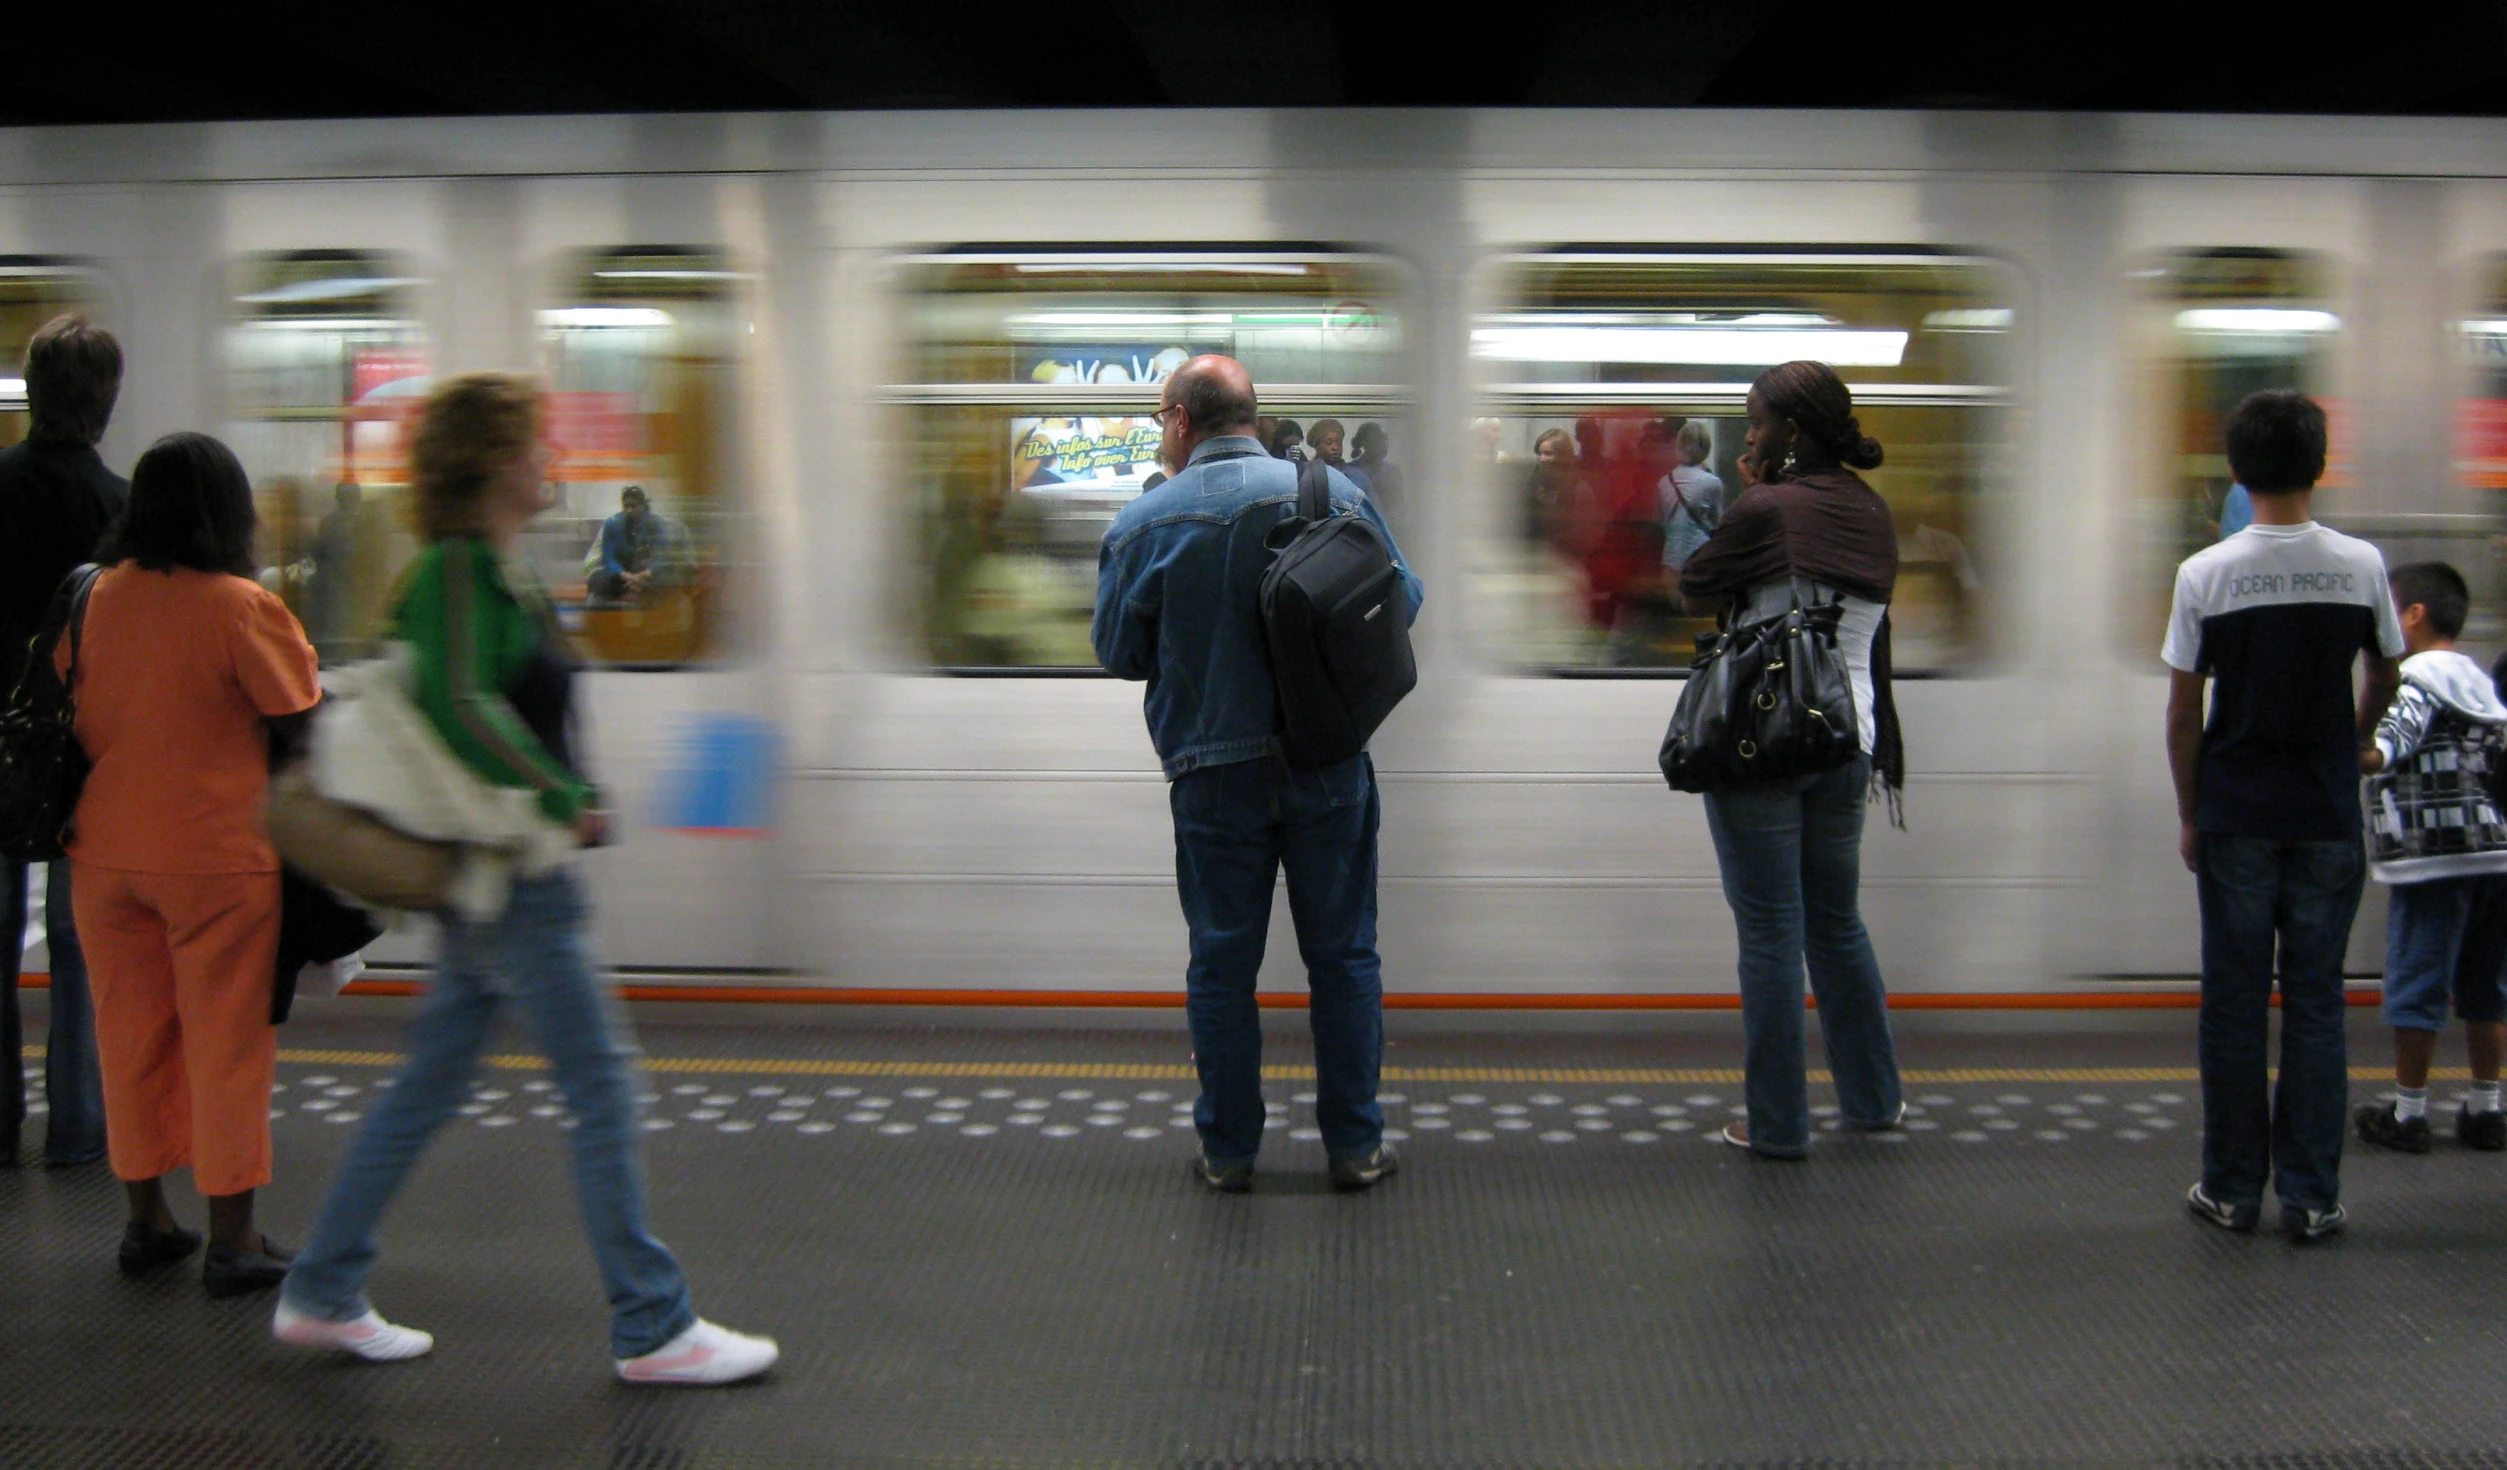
841,405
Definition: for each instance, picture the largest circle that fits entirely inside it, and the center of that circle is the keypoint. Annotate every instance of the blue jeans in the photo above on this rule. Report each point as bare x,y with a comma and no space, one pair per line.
1236,827
2264,899
1792,858
2445,937
73,1083
537,949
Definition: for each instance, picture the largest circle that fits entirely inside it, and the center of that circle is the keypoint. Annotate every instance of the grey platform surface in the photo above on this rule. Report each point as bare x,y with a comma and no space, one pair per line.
1565,1275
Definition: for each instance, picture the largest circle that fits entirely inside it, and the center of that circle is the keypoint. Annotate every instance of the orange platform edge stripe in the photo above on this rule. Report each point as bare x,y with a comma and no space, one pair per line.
831,995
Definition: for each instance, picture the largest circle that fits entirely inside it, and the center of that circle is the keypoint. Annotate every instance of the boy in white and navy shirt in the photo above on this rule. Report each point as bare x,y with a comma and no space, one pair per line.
2267,798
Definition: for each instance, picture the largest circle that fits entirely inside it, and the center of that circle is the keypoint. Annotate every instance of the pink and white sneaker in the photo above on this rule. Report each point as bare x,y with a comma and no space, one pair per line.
704,1354
369,1337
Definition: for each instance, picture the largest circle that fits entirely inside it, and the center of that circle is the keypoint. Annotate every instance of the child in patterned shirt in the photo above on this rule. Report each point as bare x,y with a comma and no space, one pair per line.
2435,834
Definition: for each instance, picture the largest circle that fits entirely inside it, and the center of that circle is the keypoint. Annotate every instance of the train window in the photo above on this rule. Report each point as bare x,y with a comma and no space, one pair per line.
326,366
33,292
1034,377
1612,422
2226,323
641,363
2481,450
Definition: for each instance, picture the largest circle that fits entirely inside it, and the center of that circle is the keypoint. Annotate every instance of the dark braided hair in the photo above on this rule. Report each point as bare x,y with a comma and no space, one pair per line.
1815,398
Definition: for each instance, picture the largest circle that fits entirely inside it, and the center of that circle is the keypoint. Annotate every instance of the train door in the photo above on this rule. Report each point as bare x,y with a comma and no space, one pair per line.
2236,285
647,560
999,821
1613,382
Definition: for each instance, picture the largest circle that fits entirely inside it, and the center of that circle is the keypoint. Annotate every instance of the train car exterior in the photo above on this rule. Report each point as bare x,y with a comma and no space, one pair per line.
880,377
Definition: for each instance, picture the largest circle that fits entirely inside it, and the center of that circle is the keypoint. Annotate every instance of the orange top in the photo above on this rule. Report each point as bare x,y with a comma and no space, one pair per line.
177,671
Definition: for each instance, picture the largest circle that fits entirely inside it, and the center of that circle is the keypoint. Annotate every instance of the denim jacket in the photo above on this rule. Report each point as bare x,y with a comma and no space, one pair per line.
1178,582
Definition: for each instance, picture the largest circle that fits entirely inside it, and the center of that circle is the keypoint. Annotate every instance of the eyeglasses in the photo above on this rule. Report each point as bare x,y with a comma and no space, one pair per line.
1159,418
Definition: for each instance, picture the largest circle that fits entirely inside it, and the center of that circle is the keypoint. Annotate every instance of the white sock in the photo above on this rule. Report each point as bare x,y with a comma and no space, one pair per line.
2411,1102
2483,1098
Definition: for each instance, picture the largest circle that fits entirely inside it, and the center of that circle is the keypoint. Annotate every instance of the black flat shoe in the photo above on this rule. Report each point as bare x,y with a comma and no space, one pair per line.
227,1271
145,1250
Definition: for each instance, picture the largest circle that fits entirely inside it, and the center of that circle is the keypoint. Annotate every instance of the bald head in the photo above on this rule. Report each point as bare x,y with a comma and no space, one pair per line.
1216,394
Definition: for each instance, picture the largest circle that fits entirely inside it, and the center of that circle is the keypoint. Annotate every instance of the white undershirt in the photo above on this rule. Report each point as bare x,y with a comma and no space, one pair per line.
1856,628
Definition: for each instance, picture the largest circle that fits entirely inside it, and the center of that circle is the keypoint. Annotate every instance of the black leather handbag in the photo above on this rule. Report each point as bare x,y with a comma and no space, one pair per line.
42,766
1765,700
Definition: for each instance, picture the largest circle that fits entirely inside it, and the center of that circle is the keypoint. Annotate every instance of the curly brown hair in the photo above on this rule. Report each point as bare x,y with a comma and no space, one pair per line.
471,427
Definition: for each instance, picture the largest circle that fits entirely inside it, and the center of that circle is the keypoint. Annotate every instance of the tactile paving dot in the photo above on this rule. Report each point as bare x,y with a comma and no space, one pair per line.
705,1115
1467,1099
1305,1135
1640,1136
818,1127
1058,1130
1431,1123
1475,1135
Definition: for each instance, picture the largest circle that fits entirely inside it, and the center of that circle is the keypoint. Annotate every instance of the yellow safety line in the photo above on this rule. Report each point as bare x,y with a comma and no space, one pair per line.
1163,1072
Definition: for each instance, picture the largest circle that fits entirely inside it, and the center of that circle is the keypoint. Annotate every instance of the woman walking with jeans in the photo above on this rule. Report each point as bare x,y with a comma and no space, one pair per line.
1791,849
495,677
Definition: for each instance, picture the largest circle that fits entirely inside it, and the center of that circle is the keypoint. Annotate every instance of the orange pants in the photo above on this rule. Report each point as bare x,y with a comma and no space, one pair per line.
180,967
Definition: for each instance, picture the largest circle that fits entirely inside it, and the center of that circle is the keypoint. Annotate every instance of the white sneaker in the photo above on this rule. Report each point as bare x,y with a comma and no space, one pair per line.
369,1337
703,1354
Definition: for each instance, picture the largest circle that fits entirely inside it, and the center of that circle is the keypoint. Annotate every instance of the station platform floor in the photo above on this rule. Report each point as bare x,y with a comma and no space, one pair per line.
975,1237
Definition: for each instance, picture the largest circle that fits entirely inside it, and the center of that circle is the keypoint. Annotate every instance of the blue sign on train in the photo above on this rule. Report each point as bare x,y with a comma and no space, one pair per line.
719,778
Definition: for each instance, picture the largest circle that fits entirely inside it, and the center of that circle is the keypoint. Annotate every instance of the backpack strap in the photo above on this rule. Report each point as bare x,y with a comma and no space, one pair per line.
1314,491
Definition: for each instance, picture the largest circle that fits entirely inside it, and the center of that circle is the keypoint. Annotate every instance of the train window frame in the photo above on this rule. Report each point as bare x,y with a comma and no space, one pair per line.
2156,505
727,291
100,303
401,339
1495,296
911,392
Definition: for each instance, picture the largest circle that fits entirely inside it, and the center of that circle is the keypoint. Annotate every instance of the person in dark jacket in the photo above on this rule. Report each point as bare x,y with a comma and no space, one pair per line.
1791,850
56,499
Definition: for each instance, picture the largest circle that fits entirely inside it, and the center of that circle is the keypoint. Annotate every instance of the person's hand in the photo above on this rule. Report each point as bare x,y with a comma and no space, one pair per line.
2189,847
2371,760
592,828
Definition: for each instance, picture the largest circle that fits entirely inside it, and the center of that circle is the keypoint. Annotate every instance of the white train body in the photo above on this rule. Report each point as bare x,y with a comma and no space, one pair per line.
1005,833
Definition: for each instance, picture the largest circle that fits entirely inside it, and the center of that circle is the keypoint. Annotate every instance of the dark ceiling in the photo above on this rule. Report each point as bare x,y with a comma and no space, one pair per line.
461,57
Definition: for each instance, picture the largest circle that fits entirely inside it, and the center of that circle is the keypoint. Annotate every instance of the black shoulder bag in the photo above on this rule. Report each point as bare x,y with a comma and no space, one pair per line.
42,766
1765,700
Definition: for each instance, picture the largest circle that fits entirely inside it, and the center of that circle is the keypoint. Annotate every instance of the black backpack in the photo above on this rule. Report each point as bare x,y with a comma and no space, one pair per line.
42,766
1338,622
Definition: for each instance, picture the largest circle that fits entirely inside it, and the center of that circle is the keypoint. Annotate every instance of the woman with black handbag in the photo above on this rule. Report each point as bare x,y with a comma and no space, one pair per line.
1810,532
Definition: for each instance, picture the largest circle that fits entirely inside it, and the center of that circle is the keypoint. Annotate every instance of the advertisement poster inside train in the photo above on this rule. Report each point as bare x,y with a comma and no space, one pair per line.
1090,454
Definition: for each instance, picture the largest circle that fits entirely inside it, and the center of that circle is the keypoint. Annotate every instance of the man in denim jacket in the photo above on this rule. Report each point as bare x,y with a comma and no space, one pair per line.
1177,605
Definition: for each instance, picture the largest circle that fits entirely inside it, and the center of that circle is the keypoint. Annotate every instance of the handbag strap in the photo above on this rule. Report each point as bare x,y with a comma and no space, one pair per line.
86,582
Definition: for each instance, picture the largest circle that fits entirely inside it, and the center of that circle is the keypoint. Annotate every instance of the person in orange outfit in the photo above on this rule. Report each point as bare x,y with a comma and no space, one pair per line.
186,667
